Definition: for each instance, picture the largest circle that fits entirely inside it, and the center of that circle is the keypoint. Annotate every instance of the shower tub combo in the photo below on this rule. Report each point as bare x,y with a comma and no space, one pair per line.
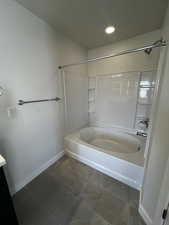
111,151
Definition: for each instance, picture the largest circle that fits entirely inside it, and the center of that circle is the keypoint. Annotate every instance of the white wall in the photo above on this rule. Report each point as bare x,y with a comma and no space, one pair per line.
130,62
30,52
159,141
76,111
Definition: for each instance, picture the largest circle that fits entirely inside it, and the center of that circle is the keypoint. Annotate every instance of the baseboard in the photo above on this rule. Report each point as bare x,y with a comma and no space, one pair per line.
145,215
38,171
103,169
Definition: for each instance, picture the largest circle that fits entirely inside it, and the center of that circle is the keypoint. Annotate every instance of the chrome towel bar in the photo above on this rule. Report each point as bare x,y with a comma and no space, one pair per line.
21,102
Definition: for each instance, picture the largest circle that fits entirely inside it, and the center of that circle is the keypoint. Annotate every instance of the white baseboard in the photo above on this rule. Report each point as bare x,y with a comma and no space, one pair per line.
103,169
38,171
145,215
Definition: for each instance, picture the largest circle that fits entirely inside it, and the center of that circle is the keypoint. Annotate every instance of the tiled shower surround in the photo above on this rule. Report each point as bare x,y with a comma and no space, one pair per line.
121,100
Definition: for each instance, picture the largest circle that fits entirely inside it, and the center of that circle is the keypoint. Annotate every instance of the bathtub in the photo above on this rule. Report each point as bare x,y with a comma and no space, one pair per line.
113,152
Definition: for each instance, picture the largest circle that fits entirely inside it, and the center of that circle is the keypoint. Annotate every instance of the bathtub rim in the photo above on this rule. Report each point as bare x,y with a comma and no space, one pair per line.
133,156
116,135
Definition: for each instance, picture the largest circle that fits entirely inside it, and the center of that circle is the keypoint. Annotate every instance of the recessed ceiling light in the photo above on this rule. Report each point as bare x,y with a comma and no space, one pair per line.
109,30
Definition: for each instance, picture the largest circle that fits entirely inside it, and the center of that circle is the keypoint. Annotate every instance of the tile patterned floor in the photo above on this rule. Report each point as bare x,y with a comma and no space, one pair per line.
71,193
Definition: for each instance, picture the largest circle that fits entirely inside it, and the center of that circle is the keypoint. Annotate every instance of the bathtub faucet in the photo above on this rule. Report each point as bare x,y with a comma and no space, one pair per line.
141,133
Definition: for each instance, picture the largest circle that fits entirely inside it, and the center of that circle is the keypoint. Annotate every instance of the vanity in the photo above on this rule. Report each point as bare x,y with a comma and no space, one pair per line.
7,213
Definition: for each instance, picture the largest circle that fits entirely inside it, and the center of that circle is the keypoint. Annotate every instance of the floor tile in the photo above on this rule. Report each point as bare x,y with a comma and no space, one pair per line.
71,193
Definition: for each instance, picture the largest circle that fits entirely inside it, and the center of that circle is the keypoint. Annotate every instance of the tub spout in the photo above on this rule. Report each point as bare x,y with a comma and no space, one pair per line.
140,133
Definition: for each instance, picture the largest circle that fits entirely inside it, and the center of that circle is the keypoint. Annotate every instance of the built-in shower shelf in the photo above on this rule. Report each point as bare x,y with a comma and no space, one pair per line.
91,100
91,97
141,116
142,86
139,103
146,87
90,111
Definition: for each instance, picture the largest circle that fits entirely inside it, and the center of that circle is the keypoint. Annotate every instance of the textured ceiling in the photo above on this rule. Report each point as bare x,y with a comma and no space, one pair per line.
84,21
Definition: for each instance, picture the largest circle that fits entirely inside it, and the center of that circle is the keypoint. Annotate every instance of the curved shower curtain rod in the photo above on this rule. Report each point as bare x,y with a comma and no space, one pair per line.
147,49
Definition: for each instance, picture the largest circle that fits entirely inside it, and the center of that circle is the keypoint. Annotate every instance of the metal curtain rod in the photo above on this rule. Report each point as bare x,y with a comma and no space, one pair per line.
21,102
147,49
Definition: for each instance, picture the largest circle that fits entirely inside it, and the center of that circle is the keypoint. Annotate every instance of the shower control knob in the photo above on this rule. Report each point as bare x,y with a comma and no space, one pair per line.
143,124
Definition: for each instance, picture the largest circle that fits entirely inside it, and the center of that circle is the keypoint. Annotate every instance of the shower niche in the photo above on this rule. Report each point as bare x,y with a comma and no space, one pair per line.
145,99
91,98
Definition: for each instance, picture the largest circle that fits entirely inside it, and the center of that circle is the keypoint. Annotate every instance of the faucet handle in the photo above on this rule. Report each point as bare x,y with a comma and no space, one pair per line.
144,123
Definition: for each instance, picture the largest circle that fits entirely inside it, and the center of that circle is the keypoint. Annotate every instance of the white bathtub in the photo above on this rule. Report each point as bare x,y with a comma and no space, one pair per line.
113,152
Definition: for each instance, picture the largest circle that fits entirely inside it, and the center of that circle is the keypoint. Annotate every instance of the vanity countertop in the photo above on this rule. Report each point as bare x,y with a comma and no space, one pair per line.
2,161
